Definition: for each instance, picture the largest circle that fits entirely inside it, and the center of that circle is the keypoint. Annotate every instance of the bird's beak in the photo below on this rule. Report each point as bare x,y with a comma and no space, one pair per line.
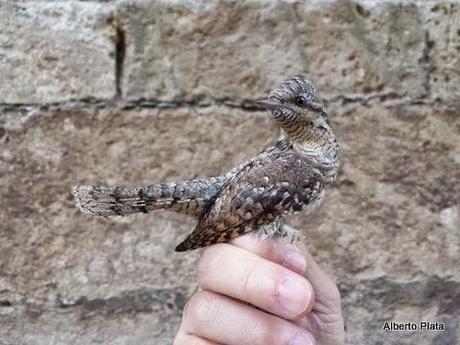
270,104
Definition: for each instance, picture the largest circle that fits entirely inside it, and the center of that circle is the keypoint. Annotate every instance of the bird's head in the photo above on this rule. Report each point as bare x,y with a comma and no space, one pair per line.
296,105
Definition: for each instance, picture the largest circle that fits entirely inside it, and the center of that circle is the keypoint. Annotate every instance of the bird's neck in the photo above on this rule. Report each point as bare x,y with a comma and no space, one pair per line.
319,141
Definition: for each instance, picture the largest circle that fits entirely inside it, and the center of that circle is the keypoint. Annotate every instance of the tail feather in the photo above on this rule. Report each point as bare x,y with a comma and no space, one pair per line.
190,197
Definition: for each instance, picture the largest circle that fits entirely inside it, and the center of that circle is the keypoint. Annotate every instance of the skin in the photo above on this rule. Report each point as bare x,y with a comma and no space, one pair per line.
242,289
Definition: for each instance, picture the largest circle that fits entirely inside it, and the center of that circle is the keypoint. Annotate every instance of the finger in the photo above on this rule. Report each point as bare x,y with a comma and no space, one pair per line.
190,339
279,250
326,292
227,321
243,275
296,257
326,321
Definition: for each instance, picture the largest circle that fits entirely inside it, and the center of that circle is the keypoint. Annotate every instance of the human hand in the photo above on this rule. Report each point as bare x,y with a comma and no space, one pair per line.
261,292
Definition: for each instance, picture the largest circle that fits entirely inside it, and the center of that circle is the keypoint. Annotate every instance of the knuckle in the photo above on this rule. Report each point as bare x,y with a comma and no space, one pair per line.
260,287
331,302
249,282
201,308
335,296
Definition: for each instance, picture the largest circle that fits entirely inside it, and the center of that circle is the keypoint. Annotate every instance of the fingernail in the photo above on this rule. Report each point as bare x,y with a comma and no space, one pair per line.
295,261
301,339
293,295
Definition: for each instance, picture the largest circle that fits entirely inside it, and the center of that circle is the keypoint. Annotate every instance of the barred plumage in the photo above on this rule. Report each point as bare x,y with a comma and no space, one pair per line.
282,180
189,197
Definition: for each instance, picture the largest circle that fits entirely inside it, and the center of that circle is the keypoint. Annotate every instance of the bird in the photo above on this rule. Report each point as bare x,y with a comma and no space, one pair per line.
256,195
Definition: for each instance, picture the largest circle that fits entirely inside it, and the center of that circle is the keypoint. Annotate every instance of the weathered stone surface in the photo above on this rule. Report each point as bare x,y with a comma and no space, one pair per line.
56,51
364,47
236,50
213,50
443,49
62,270
388,230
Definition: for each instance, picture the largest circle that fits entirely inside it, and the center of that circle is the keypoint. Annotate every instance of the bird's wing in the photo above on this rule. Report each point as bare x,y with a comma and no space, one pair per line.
279,183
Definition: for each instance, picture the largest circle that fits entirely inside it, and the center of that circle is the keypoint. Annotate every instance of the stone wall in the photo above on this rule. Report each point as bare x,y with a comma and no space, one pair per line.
142,91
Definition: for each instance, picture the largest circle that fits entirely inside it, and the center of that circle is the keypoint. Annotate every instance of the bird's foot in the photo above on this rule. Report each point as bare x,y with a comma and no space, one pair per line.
278,229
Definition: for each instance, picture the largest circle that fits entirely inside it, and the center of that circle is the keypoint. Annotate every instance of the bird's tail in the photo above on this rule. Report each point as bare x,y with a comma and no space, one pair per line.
190,197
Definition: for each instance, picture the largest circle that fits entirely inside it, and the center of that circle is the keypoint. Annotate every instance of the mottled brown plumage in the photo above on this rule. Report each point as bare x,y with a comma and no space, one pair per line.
282,180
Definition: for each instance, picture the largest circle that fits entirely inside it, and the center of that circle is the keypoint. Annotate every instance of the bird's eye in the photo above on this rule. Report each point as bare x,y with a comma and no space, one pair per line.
301,101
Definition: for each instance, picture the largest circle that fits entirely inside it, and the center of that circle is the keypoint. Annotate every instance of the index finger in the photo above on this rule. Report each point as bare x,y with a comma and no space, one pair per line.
296,257
243,275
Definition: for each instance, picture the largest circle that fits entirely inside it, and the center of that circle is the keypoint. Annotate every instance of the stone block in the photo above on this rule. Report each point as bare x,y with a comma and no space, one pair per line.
56,51
204,51
226,50
387,232
443,49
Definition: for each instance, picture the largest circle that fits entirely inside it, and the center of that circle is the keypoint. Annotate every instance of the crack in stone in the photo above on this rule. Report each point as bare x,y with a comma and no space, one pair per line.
5,303
365,100
120,54
427,64
442,291
129,302
386,99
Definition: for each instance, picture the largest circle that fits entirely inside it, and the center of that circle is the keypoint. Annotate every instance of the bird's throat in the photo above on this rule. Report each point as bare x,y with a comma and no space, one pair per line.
320,142
314,138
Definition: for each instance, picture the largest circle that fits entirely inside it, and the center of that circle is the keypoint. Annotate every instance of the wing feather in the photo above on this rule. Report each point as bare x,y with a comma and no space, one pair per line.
271,186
